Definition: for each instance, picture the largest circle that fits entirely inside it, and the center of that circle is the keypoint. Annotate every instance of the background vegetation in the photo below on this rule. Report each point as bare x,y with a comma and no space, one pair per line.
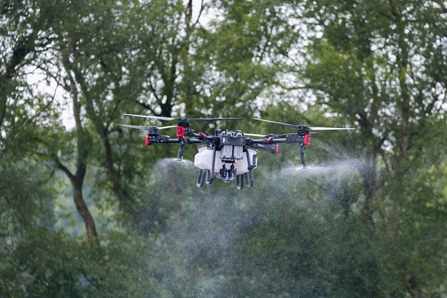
86,210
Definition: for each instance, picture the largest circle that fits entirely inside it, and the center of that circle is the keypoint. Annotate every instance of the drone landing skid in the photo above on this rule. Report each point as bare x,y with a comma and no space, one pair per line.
202,175
248,179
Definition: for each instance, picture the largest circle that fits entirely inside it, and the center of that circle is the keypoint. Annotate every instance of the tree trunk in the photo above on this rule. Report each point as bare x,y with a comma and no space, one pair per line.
83,143
83,210
81,206
123,198
103,130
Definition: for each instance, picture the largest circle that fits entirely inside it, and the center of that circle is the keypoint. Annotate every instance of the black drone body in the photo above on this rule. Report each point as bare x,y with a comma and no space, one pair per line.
226,155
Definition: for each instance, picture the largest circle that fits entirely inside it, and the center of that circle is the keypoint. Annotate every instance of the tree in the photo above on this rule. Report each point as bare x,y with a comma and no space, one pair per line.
64,77
25,33
373,66
227,62
106,66
101,63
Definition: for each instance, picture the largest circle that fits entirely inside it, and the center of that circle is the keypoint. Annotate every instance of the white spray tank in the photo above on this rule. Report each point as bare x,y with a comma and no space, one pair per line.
203,160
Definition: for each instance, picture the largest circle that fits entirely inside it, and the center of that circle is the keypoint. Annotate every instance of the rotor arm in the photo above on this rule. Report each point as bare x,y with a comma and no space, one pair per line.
273,148
269,144
203,138
290,139
268,141
157,139
166,140
185,141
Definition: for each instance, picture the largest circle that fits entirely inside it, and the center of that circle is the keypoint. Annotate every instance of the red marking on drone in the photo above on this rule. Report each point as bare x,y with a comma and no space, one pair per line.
307,140
147,141
276,149
204,135
269,139
180,131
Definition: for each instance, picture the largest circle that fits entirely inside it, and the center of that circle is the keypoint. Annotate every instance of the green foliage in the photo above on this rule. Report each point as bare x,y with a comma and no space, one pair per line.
367,219
20,182
33,257
369,65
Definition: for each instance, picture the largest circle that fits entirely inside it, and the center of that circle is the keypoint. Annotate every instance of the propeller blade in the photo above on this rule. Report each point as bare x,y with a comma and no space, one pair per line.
166,127
330,128
254,135
298,126
270,135
146,128
135,126
183,119
152,117
284,124
294,133
213,119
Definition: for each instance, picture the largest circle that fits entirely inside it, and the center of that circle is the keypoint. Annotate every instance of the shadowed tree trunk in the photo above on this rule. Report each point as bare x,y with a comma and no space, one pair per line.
83,145
123,198
77,181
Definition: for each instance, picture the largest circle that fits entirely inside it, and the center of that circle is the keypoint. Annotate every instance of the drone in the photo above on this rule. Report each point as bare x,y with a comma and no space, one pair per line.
227,155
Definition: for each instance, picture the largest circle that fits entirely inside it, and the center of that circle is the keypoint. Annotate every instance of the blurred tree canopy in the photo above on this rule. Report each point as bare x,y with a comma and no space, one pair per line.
86,210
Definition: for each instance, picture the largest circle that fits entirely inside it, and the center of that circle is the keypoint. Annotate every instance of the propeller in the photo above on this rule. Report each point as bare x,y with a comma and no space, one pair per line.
213,119
184,119
331,128
254,135
151,117
274,135
266,136
280,123
303,126
146,128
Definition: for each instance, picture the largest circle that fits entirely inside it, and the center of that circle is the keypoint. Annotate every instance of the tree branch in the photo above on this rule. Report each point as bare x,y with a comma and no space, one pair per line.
386,160
202,7
146,106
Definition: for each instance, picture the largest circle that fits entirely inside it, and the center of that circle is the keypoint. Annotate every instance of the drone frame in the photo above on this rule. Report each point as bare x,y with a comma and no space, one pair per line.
187,136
